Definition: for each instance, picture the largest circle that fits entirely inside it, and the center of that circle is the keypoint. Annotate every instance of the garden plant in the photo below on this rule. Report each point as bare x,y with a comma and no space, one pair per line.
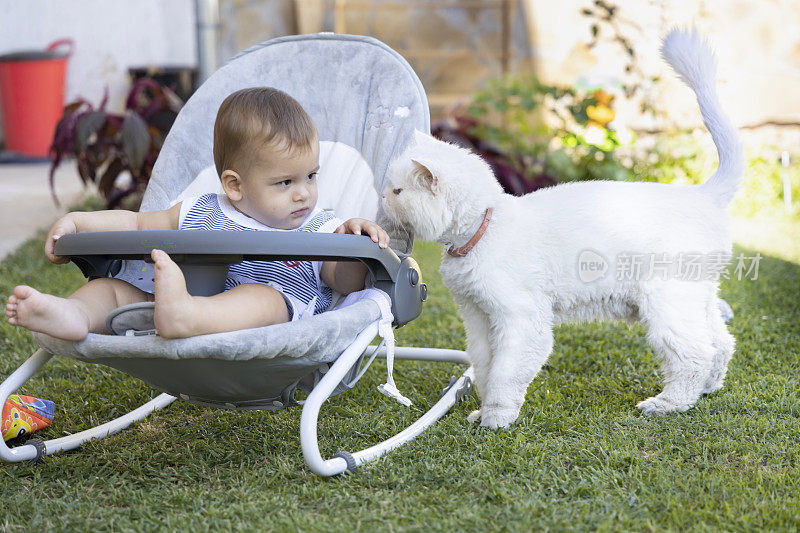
105,145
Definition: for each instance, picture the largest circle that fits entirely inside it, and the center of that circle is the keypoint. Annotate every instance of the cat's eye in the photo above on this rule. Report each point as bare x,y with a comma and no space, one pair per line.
397,191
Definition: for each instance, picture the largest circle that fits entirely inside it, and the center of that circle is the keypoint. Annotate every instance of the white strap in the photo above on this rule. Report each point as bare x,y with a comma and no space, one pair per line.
386,331
309,310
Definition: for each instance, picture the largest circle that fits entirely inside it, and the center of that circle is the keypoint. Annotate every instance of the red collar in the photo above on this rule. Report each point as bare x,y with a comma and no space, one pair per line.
463,250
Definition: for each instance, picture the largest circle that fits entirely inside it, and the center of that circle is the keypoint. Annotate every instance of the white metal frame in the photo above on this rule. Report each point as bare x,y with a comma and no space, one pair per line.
322,391
308,421
29,451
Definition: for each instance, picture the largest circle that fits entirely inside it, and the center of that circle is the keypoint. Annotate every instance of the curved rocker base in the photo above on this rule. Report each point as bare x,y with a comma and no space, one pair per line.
36,449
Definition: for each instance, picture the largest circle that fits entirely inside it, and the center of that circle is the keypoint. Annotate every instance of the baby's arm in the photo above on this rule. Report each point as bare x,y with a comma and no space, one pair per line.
347,277
116,220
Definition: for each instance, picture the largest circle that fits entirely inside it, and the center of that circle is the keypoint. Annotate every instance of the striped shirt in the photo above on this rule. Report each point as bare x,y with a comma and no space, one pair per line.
296,278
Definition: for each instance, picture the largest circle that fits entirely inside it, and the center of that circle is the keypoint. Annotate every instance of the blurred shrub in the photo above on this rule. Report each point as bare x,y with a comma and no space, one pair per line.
690,158
762,189
108,146
535,135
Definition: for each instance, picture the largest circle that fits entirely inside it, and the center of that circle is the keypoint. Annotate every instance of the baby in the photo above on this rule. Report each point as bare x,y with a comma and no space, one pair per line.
266,151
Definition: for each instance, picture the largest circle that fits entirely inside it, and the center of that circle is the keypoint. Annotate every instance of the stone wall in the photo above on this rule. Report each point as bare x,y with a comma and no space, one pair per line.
454,45
757,44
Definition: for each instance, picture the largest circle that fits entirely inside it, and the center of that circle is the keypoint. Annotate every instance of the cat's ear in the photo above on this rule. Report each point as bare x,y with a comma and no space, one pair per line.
425,175
420,137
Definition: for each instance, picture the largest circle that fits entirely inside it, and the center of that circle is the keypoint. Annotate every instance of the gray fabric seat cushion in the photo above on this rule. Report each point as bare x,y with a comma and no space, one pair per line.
256,368
320,338
357,90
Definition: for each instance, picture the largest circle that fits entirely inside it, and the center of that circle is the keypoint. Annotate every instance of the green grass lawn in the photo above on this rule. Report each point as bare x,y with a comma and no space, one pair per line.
580,456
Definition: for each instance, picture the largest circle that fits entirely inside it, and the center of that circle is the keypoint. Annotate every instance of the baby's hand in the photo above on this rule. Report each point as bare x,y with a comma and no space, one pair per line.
359,226
63,226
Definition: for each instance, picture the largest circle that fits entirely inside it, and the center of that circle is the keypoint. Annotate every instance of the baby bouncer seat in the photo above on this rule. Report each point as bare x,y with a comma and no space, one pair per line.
366,102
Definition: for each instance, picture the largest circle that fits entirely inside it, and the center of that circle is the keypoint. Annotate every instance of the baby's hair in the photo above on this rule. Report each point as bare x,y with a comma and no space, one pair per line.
251,118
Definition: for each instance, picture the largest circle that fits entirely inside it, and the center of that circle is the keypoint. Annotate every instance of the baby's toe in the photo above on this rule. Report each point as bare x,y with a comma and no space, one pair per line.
162,259
22,292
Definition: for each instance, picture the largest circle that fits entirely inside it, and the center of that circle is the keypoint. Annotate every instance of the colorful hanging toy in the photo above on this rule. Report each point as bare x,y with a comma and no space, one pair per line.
25,414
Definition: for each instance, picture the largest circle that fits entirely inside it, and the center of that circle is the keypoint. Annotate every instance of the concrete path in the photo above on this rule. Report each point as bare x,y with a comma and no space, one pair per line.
25,201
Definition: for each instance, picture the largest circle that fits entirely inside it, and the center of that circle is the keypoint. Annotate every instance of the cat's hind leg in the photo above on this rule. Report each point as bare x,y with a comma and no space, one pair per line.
724,344
679,333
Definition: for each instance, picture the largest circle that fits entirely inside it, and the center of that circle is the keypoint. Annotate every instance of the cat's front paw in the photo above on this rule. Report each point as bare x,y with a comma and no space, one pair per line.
657,406
498,417
474,416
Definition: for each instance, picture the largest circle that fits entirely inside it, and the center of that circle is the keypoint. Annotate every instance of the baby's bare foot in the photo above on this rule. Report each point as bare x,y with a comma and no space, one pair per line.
45,313
173,311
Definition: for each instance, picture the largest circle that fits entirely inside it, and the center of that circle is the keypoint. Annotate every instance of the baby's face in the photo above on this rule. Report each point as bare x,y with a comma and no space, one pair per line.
280,190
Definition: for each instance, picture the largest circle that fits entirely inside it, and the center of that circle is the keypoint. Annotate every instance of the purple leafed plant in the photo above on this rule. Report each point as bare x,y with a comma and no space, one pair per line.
507,167
106,144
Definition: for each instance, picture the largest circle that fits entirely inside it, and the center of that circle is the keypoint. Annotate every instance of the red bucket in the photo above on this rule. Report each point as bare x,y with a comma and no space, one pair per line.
32,97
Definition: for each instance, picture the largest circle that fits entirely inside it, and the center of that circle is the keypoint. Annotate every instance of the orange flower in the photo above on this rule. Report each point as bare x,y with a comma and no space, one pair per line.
601,114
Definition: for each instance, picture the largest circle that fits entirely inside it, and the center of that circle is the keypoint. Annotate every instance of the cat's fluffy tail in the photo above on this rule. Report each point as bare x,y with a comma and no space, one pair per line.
690,56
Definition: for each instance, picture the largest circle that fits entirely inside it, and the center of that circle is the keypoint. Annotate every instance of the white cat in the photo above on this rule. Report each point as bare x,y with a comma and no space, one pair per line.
571,252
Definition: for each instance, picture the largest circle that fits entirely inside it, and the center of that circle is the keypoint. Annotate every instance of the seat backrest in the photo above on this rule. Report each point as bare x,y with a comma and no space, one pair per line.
358,91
